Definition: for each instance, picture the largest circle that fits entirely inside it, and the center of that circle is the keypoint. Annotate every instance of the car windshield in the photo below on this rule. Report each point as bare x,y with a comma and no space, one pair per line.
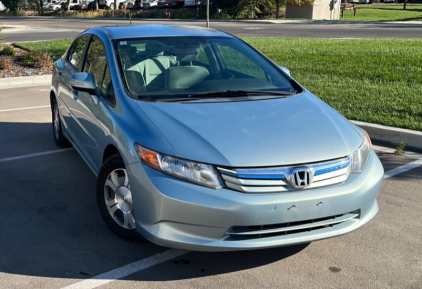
169,68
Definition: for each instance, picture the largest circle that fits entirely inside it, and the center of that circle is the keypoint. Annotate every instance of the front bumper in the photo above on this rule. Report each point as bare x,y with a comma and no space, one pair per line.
178,214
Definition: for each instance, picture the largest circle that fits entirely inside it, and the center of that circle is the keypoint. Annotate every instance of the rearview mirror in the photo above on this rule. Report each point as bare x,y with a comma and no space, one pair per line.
83,81
285,69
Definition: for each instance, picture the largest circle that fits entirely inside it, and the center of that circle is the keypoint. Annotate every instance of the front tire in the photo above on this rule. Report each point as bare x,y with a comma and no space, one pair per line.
114,198
59,138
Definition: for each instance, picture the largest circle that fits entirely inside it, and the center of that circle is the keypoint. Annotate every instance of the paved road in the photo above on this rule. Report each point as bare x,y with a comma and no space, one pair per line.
44,28
52,235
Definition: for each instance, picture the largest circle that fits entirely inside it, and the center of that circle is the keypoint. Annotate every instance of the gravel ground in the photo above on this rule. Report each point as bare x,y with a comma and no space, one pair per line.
20,68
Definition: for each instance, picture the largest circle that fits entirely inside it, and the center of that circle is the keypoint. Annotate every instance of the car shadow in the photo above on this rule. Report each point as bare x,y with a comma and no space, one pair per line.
50,225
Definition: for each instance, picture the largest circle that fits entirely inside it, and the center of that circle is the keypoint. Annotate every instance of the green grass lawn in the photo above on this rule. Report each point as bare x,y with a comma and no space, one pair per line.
384,12
371,80
56,48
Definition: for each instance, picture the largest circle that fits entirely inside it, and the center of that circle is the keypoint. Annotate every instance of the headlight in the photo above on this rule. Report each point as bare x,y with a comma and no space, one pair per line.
201,174
361,155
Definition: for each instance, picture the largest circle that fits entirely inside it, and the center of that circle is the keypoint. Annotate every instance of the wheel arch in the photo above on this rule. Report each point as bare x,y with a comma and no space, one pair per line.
109,151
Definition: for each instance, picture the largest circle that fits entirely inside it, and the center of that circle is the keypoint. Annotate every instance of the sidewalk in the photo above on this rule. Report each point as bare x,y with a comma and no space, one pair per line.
379,133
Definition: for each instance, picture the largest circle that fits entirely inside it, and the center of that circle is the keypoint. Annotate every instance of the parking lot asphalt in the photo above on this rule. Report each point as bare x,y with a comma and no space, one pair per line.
52,235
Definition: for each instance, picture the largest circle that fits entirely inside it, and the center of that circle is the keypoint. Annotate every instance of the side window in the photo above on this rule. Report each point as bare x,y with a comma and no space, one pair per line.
106,84
76,52
236,61
96,61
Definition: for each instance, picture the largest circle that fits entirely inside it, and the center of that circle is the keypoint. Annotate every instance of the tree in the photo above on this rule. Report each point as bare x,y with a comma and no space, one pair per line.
39,5
231,7
300,2
277,13
68,6
404,4
239,8
12,5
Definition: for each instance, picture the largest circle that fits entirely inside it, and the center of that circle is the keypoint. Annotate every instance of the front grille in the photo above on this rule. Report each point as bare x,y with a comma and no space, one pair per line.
265,231
283,179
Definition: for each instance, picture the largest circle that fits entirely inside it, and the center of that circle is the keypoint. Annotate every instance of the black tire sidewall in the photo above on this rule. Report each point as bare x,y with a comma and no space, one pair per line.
61,141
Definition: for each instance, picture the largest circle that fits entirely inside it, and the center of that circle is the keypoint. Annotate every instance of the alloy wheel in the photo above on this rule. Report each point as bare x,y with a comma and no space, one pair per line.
118,199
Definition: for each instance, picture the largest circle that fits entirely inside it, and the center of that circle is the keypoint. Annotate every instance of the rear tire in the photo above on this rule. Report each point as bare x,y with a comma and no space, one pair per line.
114,198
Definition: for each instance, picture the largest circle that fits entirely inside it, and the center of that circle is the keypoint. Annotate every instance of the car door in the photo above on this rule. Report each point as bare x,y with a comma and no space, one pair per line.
65,69
88,108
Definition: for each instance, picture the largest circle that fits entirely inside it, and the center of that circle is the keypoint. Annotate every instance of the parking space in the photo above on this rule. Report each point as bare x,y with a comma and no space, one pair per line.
52,234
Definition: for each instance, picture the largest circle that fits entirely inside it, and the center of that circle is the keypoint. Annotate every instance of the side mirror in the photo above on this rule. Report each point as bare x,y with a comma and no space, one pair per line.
285,69
83,81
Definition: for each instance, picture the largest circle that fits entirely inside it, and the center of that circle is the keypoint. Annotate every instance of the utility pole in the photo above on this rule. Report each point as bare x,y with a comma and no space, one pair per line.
208,13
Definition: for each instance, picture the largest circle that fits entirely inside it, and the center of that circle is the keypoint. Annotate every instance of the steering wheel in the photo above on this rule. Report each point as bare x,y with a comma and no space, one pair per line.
222,74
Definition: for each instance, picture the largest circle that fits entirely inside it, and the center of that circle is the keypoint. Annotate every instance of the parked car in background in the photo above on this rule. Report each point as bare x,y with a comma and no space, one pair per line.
193,3
200,142
148,4
55,6
109,4
174,3
361,1
2,7
84,5
161,4
137,5
126,4
73,4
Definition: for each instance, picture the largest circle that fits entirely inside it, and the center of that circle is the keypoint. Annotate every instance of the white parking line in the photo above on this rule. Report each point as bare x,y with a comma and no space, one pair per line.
129,269
24,108
402,169
34,155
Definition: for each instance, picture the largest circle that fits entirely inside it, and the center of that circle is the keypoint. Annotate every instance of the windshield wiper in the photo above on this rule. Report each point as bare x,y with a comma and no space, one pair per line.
239,93
177,99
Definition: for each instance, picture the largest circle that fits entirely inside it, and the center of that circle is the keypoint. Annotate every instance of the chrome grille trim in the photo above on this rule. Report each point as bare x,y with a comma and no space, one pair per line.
263,180
263,231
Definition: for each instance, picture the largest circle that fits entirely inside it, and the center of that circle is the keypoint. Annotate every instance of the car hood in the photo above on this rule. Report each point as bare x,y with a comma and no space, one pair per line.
273,132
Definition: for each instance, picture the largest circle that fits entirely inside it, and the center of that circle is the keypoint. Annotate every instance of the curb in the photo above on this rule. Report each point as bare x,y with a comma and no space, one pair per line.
25,80
391,135
381,133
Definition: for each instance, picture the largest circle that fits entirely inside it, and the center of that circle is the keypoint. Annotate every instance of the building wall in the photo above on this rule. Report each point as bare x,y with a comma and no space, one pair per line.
320,10
296,11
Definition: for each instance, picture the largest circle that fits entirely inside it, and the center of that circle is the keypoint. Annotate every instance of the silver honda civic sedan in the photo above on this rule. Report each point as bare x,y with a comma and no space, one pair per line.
200,142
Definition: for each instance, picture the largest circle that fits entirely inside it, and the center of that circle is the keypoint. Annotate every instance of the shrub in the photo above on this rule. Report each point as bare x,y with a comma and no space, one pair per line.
8,50
5,63
400,146
28,58
43,60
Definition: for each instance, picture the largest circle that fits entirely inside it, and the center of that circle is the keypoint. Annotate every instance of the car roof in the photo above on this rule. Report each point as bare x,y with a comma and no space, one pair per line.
136,31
